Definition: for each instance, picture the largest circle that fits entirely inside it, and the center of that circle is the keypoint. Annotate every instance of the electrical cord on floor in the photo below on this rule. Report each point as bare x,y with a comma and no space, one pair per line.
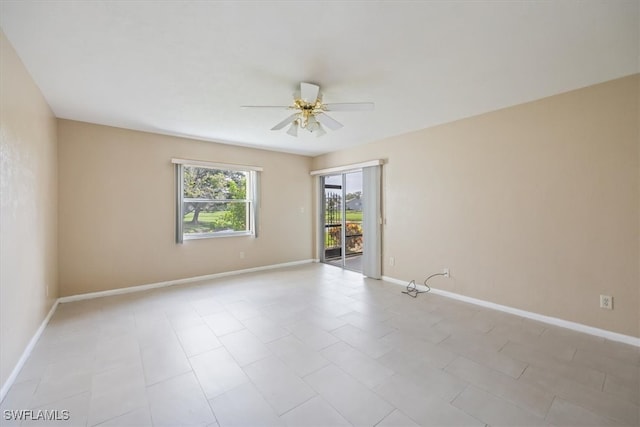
412,289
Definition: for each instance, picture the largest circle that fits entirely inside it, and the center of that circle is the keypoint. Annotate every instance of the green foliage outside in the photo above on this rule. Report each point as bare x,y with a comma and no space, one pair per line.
207,194
333,237
355,216
352,216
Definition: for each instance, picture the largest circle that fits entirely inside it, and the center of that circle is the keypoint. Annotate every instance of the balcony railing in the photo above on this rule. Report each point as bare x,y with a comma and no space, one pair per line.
333,240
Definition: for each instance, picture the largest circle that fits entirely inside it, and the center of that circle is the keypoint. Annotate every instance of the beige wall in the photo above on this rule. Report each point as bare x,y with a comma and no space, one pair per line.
117,210
534,207
28,209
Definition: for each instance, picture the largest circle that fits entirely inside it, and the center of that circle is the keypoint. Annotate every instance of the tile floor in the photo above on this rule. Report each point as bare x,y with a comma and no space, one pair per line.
318,346
353,263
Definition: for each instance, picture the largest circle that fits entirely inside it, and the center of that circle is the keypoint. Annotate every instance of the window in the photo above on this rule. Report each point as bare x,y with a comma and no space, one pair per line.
215,200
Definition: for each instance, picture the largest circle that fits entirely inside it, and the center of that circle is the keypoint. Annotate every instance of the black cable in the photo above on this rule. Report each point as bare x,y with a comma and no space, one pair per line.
412,289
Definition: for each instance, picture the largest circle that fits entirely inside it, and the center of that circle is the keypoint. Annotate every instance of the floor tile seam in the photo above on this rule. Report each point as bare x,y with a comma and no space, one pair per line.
350,347
503,346
52,402
466,387
608,371
331,331
309,373
494,371
527,364
147,386
573,355
396,409
459,356
617,395
546,411
202,352
241,366
245,318
518,404
442,340
317,395
324,347
463,410
35,390
570,341
166,349
433,396
228,333
604,381
353,377
555,397
210,403
439,370
473,354
6,401
146,405
141,387
564,395
536,363
615,421
573,383
331,363
364,334
102,370
508,398
177,328
388,333
275,410
204,394
138,321
40,382
560,373
393,407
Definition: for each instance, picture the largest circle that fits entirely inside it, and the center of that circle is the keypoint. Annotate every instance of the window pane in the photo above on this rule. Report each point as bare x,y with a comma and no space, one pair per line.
205,183
213,217
215,202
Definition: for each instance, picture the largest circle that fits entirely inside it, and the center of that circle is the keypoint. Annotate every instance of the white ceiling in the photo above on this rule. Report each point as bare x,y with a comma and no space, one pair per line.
185,67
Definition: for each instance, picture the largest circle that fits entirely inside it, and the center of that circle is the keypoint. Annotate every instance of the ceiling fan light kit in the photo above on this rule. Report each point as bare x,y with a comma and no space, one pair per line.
311,112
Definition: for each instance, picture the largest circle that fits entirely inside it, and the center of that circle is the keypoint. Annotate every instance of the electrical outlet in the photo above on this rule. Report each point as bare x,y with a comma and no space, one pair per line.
241,255
606,301
446,272
392,261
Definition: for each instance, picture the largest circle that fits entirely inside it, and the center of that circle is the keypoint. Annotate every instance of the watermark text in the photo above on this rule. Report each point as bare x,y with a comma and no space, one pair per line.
36,415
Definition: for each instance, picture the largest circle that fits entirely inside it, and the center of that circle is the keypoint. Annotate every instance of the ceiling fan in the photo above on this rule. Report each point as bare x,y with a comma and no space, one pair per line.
310,111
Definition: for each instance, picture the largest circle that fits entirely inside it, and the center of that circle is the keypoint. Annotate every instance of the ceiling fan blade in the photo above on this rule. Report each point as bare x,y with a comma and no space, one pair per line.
285,122
277,107
293,129
309,92
350,106
328,121
320,131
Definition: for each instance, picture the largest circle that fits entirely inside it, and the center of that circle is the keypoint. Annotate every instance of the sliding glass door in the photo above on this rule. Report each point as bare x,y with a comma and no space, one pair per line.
342,202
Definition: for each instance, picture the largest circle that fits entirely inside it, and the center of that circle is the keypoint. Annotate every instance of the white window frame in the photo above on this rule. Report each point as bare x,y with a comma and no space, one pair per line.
251,198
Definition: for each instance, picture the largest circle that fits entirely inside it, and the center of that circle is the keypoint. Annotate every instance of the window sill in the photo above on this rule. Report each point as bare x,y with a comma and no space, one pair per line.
217,235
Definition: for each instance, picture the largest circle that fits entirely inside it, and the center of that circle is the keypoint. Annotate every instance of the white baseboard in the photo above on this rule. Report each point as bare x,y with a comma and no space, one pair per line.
141,288
603,333
26,353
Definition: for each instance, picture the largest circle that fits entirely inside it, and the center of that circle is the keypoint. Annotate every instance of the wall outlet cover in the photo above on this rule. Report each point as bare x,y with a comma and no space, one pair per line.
606,302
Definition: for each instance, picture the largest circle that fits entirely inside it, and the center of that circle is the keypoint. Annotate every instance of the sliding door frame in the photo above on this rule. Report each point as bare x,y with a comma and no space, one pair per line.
372,264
